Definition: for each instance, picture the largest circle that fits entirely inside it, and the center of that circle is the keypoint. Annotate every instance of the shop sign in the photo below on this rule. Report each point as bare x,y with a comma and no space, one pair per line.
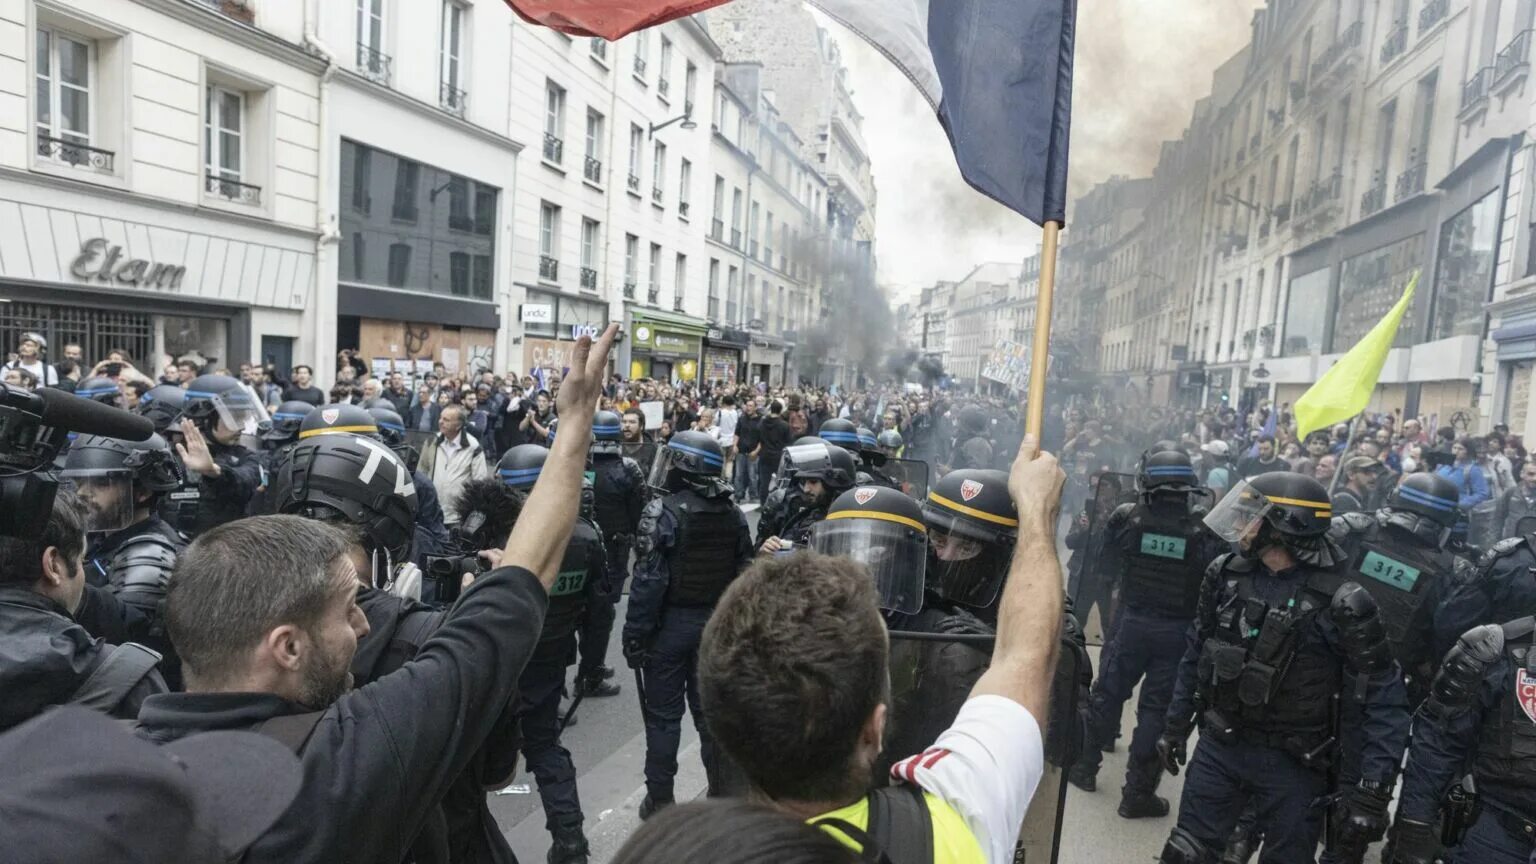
538,313
650,337
100,261
580,330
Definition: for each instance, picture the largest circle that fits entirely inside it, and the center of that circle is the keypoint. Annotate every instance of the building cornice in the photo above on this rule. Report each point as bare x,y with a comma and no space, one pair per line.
206,17
428,111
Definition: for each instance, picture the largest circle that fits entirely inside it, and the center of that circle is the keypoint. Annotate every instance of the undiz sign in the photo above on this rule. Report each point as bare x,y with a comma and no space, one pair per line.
100,261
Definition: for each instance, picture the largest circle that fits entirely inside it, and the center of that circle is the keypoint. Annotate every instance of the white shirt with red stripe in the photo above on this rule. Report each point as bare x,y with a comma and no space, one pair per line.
987,766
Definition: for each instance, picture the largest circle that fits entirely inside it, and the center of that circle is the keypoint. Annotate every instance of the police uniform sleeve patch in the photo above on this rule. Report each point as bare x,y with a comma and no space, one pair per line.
1525,693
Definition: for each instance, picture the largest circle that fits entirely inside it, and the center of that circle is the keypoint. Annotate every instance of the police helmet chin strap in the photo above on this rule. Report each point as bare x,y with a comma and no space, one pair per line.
389,570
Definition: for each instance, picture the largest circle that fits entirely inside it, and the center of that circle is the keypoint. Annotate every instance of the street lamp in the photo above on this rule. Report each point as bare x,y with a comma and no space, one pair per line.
686,117
1227,199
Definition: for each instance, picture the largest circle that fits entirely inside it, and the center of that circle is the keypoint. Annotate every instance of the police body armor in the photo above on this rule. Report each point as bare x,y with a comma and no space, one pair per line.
702,560
797,528
139,569
1163,567
1397,571
617,501
584,557
179,507
1260,677
1505,759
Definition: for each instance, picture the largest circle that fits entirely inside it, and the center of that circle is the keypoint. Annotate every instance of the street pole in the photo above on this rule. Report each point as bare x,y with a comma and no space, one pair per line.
1040,350
1349,442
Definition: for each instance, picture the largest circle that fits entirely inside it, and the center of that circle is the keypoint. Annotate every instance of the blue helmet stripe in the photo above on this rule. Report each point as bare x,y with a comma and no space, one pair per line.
519,476
393,427
607,430
288,415
840,437
1435,501
1170,471
200,394
707,456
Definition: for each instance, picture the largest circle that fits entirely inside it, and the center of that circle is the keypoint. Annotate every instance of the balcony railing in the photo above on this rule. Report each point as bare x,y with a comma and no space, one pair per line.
653,296
554,148
549,268
1350,38
232,190
656,194
682,209
374,64
593,170
453,100
589,278
1395,43
1282,213
599,48
1410,182
74,153
629,289
1433,13
1475,91
1515,55
663,87
717,230
639,66
1374,198
634,183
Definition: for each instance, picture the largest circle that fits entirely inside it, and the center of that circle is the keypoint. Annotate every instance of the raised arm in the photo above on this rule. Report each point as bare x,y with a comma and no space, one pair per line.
1029,613
544,528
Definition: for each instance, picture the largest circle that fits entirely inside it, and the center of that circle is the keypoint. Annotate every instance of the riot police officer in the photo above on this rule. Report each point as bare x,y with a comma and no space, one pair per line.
1481,713
162,405
972,446
1280,632
287,420
98,388
619,497
890,443
693,542
543,680
220,421
872,459
784,495
1158,548
839,432
821,474
1499,586
392,432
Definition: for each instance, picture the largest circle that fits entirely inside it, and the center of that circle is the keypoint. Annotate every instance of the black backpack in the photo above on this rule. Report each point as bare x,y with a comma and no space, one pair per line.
115,677
899,831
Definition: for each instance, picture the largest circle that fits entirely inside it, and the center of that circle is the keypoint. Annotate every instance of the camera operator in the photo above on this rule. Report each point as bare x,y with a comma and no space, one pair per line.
219,417
264,613
49,659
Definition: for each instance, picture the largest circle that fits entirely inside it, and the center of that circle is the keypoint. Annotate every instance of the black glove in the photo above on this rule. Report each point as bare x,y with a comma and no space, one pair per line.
636,652
1415,843
1172,748
963,623
1361,816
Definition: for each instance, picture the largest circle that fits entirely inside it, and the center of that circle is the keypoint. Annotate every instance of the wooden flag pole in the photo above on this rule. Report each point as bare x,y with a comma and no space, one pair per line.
1040,350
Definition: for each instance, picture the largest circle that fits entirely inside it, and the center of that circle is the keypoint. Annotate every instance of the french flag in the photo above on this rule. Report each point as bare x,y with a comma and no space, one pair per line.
998,73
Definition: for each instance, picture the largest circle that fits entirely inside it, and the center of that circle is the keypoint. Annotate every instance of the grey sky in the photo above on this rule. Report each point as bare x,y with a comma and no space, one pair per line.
1140,66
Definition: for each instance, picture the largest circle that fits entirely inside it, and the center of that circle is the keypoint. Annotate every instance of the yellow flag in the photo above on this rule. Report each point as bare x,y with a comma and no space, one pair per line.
1345,390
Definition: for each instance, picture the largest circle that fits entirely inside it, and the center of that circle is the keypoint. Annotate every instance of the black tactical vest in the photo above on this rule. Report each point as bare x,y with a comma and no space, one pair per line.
1505,764
1397,570
702,559
1264,670
1163,562
613,490
568,596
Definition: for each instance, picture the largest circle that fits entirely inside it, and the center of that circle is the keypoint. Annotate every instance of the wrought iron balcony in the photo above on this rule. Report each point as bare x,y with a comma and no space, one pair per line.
599,48
1433,13
593,170
639,66
1410,182
232,190
677,304
1395,43
589,278
554,148
653,296
1475,91
656,194
629,289
1347,40
75,153
682,209
374,64
1374,198
634,183
663,86
549,268
1515,55
453,100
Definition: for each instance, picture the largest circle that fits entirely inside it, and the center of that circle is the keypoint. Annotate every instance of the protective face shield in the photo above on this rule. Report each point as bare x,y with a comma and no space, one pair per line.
236,409
107,495
680,459
967,569
803,457
891,548
1240,514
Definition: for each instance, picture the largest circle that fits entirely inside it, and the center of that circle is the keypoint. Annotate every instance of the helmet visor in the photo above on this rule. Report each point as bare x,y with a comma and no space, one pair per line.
1239,513
238,410
107,496
689,460
889,546
970,571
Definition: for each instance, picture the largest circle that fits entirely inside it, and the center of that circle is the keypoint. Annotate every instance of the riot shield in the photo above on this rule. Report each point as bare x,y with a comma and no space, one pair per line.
931,677
1091,588
910,476
1483,525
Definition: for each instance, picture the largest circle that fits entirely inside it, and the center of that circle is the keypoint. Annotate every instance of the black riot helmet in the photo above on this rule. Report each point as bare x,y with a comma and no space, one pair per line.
972,527
889,442
690,454
520,466
883,530
351,479
286,422
869,447
109,474
607,434
214,400
391,424
162,405
808,439
339,418
973,420
1279,508
1166,471
98,388
1425,505
840,432
839,472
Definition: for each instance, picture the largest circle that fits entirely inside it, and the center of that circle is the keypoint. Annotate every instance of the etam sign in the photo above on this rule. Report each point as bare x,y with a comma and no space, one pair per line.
100,261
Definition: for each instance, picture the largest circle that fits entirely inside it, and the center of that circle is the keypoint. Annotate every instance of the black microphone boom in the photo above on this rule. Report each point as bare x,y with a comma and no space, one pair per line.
61,410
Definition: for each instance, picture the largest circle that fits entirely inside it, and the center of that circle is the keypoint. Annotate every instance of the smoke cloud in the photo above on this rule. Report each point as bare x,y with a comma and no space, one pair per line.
1140,67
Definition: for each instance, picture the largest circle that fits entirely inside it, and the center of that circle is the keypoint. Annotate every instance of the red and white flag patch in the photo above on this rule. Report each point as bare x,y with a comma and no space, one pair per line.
969,489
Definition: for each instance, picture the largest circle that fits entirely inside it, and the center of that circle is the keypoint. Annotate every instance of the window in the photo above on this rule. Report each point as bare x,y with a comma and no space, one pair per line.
749,301
631,264
653,274
407,176
714,289
458,204
485,210
223,139
732,294
399,264
684,180
768,238
554,122
482,278
594,165
1369,285
371,59
636,143
658,170
717,229
642,50
1464,270
752,231
664,68
736,218
679,280
458,273
690,86
549,241
590,242
65,105
362,180
451,95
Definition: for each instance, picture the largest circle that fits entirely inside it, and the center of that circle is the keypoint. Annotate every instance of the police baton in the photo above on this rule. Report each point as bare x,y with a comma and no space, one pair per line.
570,713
